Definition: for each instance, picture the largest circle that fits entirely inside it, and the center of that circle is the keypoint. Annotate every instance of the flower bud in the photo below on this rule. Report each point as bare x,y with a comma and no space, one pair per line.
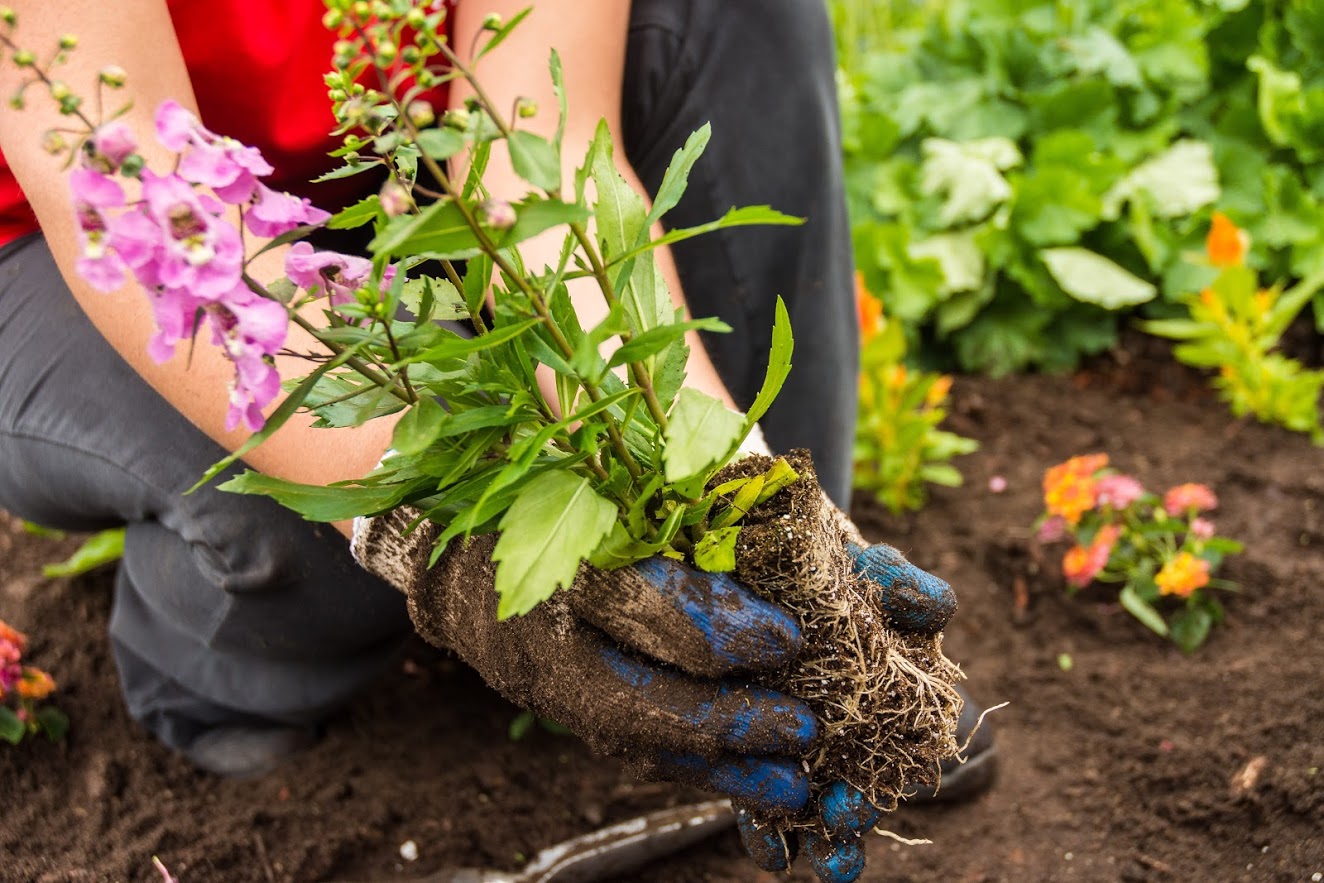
113,76
395,198
337,95
16,101
455,119
60,91
425,79
68,41
23,58
7,16
386,53
526,108
362,10
416,18
333,19
421,113
498,214
381,10
493,22
53,142
133,165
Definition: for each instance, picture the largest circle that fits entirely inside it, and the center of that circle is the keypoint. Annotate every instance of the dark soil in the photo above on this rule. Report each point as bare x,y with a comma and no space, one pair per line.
1136,764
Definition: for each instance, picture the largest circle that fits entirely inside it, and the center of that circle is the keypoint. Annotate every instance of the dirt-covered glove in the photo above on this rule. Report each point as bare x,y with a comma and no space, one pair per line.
915,601
645,663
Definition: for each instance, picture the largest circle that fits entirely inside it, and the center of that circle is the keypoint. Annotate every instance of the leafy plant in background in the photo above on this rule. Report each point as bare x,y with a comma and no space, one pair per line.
1159,549
103,547
898,445
22,689
1234,328
1019,170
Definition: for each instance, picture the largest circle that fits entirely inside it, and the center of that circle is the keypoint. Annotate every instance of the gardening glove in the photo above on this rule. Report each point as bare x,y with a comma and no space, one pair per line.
916,602
645,662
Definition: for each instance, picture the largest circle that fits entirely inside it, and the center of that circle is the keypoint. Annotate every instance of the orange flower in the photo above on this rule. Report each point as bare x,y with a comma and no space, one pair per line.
869,308
1227,244
1264,299
1188,497
35,684
13,636
938,392
1070,487
1082,563
1182,575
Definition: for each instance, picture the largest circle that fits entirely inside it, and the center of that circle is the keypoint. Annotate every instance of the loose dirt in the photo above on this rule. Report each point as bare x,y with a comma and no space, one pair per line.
1136,764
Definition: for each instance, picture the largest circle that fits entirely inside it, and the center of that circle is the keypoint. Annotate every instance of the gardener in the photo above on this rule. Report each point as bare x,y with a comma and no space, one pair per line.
236,625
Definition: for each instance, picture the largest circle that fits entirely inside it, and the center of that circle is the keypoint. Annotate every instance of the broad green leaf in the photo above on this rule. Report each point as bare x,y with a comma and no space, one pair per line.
958,256
677,175
441,143
446,302
318,503
461,347
967,177
716,550
618,549
534,215
356,215
439,229
744,500
1092,278
12,729
657,339
535,159
1142,610
556,521
779,366
100,548
700,431
619,210
419,427
1178,182
1191,627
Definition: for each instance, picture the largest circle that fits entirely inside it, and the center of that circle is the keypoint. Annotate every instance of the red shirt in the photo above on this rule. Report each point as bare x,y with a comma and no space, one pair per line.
257,68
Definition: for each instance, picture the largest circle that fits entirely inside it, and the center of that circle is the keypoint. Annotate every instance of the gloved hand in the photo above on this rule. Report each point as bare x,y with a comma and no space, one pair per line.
917,602
590,658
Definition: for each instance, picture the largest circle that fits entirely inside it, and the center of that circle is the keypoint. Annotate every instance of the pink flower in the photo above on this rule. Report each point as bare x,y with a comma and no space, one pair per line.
336,275
1202,528
250,329
10,675
997,484
1082,564
1052,530
229,168
1185,498
1118,491
272,213
195,248
9,652
109,146
99,263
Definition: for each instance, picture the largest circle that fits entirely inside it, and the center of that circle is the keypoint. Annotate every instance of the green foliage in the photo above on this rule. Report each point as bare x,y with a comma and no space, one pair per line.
1020,172
609,460
899,448
1234,328
98,550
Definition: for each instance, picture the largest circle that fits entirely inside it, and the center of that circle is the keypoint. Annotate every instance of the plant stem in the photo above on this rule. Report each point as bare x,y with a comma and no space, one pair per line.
356,363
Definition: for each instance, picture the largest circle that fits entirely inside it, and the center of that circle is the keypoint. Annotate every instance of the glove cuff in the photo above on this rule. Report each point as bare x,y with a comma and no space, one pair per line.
384,546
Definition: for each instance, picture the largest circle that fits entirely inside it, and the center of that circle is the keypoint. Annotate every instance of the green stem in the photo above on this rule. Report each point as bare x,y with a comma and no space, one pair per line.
354,362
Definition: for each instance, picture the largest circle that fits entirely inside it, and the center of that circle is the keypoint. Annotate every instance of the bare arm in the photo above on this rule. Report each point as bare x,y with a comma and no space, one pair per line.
139,37
590,36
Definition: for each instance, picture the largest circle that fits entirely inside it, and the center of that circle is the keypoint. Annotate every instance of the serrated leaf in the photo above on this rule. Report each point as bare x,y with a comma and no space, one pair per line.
441,143
419,427
460,347
356,215
1092,278
535,215
737,217
716,550
318,503
655,340
438,230
535,159
99,549
677,175
502,33
556,521
779,366
619,210
347,170
445,299
700,431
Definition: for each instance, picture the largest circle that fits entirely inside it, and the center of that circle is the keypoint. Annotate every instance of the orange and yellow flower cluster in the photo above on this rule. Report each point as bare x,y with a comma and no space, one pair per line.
1071,488
1182,575
26,681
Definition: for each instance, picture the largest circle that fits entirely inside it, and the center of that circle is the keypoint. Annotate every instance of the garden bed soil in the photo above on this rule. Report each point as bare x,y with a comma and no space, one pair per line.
1132,763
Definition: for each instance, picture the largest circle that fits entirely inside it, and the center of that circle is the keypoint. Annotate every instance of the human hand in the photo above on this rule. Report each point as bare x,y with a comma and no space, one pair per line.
916,602
645,663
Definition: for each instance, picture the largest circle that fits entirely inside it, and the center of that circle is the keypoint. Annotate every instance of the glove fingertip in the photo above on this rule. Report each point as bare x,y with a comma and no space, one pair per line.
832,861
766,844
844,811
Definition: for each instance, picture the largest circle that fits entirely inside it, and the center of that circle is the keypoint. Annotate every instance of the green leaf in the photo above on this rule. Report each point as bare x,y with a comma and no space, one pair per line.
556,521
347,170
678,174
53,722
1191,627
736,217
535,215
318,503
700,431
438,230
716,550
502,33
967,177
356,215
1092,278
1180,181
441,143
958,256
655,340
460,347
12,729
779,366
100,548
445,300
37,530
520,726
1142,610
619,210
535,159
419,427
558,86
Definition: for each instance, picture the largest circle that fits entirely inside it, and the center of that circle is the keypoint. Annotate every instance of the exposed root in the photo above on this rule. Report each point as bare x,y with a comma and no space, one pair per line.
883,832
886,700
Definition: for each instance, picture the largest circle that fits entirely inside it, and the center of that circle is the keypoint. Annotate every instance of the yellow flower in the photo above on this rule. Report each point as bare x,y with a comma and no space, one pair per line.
1227,244
1182,575
35,684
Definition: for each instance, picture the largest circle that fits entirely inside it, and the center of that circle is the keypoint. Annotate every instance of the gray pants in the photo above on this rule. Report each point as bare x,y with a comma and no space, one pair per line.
229,607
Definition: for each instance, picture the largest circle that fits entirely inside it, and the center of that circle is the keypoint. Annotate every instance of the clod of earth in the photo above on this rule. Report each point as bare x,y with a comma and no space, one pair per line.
885,698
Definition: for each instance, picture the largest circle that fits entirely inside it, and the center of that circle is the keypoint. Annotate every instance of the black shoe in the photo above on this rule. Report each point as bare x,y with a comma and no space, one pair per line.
247,751
964,780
